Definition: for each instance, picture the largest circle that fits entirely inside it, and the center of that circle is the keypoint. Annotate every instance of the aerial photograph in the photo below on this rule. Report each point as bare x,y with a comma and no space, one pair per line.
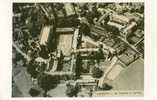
77,49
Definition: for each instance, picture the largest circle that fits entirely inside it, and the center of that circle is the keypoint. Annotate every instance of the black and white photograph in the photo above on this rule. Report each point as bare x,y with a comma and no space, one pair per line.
78,49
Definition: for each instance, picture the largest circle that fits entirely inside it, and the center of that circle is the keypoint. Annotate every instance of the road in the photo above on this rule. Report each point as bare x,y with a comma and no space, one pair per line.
106,71
21,52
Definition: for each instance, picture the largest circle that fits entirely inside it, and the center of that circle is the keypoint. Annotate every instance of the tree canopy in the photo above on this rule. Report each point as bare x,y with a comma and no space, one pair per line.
71,91
96,72
47,82
33,92
31,69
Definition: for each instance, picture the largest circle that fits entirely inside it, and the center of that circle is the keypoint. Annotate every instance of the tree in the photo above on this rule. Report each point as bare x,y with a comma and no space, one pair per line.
106,87
44,52
113,30
31,69
18,57
84,29
78,68
96,72
33,92
71,91
47,82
